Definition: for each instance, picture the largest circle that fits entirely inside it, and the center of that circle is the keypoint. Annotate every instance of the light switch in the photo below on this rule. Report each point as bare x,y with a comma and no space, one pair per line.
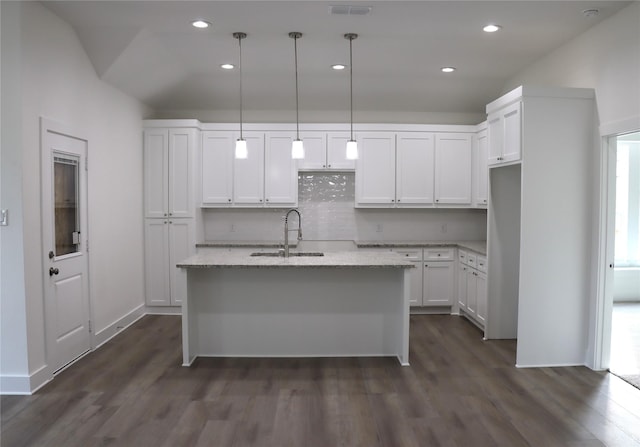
4,218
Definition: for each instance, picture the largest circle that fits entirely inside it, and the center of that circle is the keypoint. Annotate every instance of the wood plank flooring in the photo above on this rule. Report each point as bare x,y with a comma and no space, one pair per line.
458,391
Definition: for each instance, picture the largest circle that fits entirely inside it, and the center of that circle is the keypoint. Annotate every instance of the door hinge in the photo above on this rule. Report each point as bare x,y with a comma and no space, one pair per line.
87,245
86,163
89,326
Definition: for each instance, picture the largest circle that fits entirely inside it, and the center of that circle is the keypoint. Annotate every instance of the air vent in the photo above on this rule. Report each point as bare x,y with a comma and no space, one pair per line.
349,10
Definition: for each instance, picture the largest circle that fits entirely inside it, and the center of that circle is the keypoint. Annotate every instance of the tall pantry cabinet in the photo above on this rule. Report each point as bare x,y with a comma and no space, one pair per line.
169,157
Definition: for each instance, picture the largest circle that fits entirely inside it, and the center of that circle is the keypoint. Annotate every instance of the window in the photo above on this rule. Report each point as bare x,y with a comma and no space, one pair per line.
627,226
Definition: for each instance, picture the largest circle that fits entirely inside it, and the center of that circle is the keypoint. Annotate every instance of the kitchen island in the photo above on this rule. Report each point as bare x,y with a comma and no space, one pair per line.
342,304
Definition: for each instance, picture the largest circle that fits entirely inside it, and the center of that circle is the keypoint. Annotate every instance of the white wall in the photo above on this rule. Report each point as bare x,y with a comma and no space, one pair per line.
14,364
607,59
59,83
326,202
626,287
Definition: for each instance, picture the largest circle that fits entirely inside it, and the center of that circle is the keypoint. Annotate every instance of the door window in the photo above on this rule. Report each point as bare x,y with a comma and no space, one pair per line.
66,199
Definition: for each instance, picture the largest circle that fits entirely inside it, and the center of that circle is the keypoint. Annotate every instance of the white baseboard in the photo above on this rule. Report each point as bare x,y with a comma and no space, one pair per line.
118,326
25,385
162,310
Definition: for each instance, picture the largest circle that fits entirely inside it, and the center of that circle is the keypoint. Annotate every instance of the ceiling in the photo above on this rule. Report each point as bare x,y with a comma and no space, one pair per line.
149,50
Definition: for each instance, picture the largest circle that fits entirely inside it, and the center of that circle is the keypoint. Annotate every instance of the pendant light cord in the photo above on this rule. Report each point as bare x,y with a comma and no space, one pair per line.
351,81
295,49
240,36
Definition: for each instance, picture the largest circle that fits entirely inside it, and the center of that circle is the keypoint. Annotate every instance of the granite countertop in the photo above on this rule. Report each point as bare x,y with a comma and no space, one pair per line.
244,244
477,246
341,259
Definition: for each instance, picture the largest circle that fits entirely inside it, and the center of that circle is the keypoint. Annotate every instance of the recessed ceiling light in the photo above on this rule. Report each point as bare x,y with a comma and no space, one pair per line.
338,66
227,66
491,28
201,24
448,69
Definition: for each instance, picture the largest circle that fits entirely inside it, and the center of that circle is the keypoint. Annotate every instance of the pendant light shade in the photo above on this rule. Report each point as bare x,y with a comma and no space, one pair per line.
241,143
297,148
352,145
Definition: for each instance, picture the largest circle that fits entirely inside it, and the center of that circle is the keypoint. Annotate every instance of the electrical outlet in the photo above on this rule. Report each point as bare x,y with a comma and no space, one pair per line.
444,227
379,228
4,217
232,229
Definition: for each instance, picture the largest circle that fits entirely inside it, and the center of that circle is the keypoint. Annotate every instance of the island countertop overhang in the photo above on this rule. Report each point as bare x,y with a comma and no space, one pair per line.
346,259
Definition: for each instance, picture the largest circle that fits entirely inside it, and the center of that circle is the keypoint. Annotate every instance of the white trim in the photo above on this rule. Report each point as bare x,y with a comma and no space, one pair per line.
626,125
25,385
550,365
162,310
115,328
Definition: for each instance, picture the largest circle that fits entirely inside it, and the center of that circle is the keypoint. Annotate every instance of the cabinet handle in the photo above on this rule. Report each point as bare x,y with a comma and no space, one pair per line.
170,222
228,200
170,214
437,200
398,200
392,200
329,166
165,221
260,200
324,166
266,200
165,214
439,254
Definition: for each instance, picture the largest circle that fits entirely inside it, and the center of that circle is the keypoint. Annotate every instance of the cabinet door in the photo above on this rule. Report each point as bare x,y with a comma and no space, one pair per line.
437,284
416,285
248,173
453,169
315,151
495,135
281,173
512,146
156,262
462,286
472,293
481,168
217,167
181,245
414,168
337,151
181,152
481,297
375,169
156,172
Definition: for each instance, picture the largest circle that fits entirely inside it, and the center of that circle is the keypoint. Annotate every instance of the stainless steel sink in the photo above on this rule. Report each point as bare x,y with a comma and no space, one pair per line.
275,254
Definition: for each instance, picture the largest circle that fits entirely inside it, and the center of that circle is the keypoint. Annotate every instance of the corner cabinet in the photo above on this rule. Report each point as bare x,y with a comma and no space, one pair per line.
481,169
169,168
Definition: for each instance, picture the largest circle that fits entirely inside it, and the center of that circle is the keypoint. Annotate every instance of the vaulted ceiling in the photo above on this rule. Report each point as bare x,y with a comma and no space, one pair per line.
149,50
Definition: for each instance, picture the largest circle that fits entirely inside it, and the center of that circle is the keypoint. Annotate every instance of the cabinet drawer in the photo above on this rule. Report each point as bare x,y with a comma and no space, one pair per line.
472,260
481,263
438,254
410,255
462,256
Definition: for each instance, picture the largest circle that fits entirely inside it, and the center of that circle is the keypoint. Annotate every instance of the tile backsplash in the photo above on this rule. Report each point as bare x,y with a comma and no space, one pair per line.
326,202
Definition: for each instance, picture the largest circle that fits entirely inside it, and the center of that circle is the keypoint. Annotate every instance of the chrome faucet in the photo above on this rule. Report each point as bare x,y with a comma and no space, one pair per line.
286,230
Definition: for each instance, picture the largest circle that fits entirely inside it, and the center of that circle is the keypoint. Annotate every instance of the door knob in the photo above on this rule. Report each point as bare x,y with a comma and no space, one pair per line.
53,271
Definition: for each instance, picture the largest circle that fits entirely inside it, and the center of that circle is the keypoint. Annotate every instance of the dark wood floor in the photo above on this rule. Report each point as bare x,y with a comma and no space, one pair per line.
458,391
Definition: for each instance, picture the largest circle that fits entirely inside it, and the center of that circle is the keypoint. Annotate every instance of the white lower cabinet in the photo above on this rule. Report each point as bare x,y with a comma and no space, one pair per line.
472,286
167,242
438,283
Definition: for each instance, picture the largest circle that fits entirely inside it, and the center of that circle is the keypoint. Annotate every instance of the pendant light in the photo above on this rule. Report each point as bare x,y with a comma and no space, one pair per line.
352,145
241,143
297,148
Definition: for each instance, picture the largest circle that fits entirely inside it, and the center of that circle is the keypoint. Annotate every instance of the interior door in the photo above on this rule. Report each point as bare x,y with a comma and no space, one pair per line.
64,226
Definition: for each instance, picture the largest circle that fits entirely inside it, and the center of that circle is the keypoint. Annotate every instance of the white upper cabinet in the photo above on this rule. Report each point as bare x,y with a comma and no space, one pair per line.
453,169
481,168
217,168
281,176
248,173
505,134
325,151
168,166
315,150
337,151
414,168
375,168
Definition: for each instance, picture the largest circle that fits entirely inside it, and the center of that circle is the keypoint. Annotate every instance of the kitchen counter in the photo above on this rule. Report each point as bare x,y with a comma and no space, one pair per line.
346,259
477,246
242,244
